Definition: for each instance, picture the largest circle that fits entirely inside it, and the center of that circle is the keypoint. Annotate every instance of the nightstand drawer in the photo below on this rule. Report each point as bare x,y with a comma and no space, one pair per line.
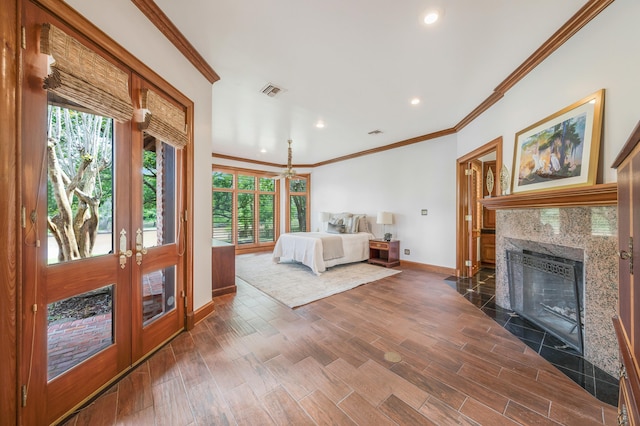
379,245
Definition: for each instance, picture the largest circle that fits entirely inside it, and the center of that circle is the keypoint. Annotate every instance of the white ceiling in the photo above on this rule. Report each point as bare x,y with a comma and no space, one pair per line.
354,64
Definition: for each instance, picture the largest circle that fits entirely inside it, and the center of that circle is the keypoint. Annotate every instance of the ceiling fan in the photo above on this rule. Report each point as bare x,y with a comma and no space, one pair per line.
289,172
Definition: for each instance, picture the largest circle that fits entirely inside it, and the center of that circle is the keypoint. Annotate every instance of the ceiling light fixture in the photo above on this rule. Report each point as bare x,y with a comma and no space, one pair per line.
320,124
431,17
415,101
289,172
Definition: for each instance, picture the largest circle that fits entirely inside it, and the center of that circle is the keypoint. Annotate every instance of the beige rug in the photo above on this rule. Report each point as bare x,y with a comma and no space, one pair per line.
294,284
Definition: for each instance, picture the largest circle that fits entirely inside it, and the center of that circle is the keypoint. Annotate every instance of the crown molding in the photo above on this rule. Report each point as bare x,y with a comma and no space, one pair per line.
158,18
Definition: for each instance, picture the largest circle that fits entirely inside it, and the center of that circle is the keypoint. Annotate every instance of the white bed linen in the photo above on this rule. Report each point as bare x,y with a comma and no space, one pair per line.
306,248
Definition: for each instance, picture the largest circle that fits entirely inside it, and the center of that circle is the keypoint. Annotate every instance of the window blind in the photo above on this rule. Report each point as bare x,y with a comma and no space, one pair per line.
81,75
163,120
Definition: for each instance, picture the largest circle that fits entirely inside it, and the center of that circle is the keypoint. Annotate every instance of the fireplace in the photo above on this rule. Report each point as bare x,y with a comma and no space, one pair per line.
583,234
548,291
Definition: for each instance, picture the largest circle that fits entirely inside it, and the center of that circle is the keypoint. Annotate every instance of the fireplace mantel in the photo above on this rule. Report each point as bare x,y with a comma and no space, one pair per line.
594,195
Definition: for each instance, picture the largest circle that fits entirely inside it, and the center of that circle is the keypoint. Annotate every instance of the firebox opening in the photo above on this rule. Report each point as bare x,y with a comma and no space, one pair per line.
548,291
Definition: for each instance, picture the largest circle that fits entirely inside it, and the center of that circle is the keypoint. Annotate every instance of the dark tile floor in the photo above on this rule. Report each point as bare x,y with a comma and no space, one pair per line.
480,290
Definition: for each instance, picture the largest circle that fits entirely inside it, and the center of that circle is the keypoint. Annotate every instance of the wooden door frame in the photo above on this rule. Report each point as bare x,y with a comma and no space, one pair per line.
462,196
10,183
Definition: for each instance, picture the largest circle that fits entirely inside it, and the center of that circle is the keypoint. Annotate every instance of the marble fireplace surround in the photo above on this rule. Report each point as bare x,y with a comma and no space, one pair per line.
588,234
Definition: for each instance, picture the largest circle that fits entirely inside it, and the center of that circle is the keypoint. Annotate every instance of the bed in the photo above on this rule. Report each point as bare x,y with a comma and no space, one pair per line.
346,241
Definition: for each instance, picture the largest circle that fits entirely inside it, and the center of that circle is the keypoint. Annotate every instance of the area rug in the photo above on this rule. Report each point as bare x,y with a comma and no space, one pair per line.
295,285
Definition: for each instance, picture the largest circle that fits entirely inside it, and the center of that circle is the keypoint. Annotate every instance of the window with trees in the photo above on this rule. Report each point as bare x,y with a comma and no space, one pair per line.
245,207
298,204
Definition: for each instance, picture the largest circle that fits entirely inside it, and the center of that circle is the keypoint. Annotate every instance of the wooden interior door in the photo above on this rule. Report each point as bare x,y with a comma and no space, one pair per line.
475,212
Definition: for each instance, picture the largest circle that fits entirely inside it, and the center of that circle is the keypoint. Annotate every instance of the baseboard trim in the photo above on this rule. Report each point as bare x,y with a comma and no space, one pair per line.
223,290
203,312
429,268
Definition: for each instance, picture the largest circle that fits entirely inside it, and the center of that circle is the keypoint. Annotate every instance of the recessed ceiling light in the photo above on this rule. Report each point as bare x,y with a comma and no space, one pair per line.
431,17
320,124
264,151
415,101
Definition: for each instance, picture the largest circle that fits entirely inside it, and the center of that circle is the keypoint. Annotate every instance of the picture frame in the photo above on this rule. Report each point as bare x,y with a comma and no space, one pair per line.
561,150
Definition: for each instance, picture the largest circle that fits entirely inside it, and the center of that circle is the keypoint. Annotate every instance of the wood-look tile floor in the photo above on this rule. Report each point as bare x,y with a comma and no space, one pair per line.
405,350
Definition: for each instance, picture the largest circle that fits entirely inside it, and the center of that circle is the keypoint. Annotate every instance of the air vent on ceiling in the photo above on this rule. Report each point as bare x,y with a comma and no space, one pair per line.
271,90
375,132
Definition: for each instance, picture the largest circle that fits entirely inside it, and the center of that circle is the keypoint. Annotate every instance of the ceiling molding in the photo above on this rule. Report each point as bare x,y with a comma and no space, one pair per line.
157,17
572,26
485,105
395,145
245,160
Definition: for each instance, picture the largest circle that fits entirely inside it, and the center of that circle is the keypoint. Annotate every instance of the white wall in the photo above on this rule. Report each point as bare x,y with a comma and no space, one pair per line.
124,23
402,181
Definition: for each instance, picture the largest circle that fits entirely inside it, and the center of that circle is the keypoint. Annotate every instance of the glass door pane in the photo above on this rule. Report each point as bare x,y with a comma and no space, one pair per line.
267,218
158,193
158,294
246,211
298,213
78,328
80,184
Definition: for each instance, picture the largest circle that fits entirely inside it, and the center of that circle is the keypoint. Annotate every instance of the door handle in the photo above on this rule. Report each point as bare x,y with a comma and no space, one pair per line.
124,253
628,255
140,250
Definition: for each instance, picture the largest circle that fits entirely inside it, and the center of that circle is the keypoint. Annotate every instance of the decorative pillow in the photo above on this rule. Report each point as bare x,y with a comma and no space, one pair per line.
363,224
336,221
335,217
335,228
352,227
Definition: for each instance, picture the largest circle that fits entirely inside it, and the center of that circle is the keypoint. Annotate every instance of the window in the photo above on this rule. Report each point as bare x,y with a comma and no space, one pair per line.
244,210
298,204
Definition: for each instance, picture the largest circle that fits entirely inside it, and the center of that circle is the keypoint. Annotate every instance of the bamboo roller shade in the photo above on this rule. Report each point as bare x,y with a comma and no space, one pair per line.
83,76
163,120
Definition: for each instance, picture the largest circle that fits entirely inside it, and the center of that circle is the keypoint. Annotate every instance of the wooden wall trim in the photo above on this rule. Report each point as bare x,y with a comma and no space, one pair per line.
158,18
594,195
10,110
429,268
202,312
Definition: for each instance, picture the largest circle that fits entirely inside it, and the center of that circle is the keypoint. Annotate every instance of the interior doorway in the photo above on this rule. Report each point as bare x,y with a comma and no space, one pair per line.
468,215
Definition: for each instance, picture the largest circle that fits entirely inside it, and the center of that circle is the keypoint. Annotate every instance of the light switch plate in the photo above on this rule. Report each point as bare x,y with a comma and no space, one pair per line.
423,212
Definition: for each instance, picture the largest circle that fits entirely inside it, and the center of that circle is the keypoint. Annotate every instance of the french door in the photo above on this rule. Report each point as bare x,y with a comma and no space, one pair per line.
102,261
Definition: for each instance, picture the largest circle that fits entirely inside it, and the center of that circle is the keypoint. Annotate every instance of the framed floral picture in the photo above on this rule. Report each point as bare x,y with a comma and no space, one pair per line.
561,150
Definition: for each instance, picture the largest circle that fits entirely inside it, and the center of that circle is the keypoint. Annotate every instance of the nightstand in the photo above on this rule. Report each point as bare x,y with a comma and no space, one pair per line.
384,253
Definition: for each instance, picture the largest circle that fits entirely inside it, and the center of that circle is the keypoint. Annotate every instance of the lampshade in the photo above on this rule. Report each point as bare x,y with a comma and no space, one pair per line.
384,218
325,216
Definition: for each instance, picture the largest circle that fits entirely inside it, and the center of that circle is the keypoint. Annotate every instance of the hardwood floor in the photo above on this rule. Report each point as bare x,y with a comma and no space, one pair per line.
404,350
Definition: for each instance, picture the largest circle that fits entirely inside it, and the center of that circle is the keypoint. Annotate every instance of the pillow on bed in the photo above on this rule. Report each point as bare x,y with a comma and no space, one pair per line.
333,228
339,218
363,224
353,224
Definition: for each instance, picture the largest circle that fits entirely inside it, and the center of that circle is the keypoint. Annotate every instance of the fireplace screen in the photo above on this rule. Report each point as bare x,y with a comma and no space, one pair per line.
547,291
